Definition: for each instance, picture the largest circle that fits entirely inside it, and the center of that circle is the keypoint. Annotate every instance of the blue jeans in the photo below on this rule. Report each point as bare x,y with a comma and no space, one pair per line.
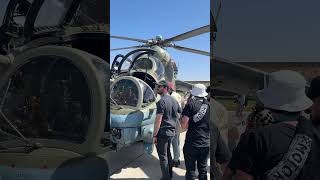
176,147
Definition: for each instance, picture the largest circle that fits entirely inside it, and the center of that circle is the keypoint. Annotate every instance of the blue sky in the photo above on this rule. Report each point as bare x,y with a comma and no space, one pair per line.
273,30
144,19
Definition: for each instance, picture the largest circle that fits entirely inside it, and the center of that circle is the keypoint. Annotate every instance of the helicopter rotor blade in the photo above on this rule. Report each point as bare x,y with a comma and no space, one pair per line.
130,39
189,34
191,50
130,47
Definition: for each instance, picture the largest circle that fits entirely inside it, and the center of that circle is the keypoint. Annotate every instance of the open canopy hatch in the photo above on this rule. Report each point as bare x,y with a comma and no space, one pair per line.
29,19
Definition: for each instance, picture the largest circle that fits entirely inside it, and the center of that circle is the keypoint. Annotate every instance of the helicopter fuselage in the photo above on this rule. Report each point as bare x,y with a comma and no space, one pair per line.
133,96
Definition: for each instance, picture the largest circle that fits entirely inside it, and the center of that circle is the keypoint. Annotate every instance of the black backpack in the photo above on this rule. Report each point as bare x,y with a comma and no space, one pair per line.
294,160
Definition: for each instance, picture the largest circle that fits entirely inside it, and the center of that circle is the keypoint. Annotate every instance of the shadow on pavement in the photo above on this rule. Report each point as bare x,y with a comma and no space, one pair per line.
151,169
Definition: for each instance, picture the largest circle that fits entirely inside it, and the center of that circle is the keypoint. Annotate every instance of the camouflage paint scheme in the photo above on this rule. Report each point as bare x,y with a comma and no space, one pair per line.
135,125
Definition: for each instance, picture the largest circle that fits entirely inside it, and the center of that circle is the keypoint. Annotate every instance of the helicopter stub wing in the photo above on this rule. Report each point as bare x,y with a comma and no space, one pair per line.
234,77
183,86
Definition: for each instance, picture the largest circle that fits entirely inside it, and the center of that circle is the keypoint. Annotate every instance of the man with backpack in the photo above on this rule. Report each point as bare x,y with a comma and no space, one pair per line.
195,118
280,150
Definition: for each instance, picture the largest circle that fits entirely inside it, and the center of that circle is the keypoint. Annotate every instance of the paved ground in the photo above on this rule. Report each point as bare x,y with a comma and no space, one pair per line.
148,167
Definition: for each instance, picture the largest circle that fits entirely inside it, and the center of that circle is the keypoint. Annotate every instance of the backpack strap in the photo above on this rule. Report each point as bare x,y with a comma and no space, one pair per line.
293,161
201,113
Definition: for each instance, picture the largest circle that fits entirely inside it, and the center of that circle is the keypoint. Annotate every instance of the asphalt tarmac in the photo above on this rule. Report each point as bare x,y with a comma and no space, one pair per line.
148,167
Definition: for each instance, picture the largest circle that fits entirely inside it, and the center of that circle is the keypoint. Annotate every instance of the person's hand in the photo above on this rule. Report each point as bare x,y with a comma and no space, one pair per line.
155,140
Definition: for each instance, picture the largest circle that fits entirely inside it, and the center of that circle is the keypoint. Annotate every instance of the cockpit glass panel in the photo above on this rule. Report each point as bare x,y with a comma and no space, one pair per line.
52,13
3,9
160,69
125,92
47,99
143,64
20,13
169,74
148,93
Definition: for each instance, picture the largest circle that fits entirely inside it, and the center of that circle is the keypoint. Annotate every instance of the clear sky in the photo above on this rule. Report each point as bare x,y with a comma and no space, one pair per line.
272,30
145,19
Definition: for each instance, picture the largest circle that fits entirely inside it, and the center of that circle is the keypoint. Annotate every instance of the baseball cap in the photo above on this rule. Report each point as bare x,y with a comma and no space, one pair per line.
170,85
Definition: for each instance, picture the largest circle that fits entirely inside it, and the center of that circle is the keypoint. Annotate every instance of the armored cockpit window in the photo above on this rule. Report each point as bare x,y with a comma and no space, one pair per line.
125,92
169,74
20,13
3,8
52,13
47,98
143,64
160,69
147,92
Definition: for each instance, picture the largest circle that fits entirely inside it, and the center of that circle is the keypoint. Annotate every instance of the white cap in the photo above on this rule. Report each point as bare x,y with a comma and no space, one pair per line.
199,90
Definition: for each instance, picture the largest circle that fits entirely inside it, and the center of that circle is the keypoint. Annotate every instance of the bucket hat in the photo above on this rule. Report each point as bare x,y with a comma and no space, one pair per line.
285,92
199,90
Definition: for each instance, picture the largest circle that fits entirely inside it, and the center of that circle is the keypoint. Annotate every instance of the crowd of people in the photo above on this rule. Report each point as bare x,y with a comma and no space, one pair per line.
281,139
173,117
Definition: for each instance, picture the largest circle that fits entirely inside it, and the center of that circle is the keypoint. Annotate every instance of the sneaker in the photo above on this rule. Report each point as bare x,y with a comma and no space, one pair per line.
176,163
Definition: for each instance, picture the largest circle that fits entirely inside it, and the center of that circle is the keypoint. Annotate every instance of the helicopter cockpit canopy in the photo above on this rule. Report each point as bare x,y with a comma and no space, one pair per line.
47,99
145,63
27,16
141,64
29,19
131,92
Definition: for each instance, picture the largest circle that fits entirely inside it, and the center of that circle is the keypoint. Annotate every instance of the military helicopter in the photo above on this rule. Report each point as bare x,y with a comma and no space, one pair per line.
133,100
54,78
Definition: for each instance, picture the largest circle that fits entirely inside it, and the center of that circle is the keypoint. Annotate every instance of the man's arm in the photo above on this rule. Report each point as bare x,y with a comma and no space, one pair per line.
184,123
186,113
227,174
157,124
245,156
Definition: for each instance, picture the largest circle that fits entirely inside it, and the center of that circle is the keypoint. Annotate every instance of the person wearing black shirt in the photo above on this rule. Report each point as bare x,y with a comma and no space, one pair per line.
195,118
263,153
165,128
